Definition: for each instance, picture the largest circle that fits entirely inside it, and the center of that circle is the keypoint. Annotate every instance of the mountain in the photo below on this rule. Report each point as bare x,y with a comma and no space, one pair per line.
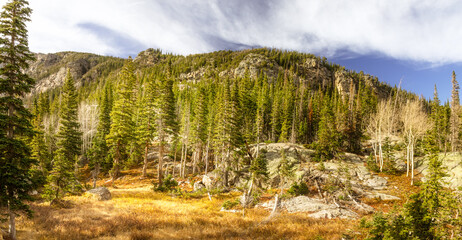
49,70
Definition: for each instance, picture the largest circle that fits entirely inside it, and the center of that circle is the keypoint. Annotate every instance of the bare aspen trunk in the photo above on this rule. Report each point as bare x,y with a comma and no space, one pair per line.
181,160
380,156
407,159
159,167
145,163
185,159
207,158
412,162
95,175
174,162
194,161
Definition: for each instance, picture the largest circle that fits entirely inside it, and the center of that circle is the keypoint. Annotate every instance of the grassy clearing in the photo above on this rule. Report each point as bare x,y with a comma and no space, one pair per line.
143,214
136,212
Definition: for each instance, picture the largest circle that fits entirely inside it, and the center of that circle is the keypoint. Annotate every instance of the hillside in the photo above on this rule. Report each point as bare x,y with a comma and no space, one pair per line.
49,70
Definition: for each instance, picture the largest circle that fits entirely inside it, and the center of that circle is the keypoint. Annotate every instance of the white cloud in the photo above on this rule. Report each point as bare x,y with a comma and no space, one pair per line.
418,30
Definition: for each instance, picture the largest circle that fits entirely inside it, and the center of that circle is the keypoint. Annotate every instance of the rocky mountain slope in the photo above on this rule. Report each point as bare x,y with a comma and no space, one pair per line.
49,70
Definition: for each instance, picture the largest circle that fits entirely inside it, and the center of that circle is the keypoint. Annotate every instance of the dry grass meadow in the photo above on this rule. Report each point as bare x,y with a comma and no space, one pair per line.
137,212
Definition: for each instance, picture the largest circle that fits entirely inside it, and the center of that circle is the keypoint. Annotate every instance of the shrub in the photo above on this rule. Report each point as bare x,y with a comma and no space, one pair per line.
229,204
168,184
298,189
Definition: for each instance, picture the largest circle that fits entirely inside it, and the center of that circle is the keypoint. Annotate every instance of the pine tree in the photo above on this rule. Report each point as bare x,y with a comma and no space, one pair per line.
328,136
199,123
15,159
38,145
146,127
62,178
455,113
227,133
122,125
99,149
165,119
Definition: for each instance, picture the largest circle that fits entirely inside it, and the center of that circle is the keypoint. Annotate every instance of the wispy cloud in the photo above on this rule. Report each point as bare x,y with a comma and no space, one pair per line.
417,30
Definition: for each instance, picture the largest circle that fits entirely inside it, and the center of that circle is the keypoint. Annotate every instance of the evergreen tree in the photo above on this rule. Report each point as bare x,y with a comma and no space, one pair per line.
147,126
99,149
62,178
15,159
38,145
122,125
199,123
227,133
455,114
328,136
165,119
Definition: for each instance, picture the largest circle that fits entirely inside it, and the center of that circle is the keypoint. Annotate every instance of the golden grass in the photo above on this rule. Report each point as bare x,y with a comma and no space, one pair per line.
143,214
136,212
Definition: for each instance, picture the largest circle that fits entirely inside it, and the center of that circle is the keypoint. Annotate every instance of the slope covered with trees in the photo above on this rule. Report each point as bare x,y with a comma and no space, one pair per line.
210,113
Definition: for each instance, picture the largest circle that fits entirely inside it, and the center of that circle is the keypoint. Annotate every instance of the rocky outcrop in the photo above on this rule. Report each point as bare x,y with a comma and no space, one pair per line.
317,208
149,57
100,194
315,73
253,64
452,163
49,70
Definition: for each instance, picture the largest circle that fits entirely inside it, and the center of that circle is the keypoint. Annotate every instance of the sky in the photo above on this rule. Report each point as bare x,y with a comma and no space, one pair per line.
417,42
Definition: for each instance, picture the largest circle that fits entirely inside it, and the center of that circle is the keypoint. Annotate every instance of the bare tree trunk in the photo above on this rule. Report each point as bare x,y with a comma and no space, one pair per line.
412,162
408,149
181,160
115,172
194,161
161,156
207,158
95,175
185,159
145,164
12,222
174,161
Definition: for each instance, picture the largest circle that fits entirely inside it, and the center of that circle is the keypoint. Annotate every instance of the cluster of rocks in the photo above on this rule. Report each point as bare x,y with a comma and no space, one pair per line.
339,183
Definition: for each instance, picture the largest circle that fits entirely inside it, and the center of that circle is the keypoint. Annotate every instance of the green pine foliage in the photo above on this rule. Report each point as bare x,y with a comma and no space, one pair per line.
99,152
146,127
431,213
62,178
15,125
166,119
122,115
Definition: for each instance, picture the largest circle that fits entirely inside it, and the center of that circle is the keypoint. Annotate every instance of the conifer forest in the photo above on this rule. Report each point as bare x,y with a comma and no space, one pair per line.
257,143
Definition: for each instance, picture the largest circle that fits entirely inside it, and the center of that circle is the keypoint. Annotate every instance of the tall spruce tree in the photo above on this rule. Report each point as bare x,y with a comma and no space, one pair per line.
38,145
199,123
62,177
99,149
455,114
167,125
15,160
146,127
122,126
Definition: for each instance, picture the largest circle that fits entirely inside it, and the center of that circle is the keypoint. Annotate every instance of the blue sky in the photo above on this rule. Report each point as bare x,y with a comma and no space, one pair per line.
418,41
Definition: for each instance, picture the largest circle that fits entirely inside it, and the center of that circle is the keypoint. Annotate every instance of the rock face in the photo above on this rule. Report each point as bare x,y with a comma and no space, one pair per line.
453,164
253,64
100,193
49,70
335,213
316,207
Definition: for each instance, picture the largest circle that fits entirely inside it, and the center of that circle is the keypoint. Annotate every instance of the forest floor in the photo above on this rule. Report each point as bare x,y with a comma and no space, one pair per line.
137,212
